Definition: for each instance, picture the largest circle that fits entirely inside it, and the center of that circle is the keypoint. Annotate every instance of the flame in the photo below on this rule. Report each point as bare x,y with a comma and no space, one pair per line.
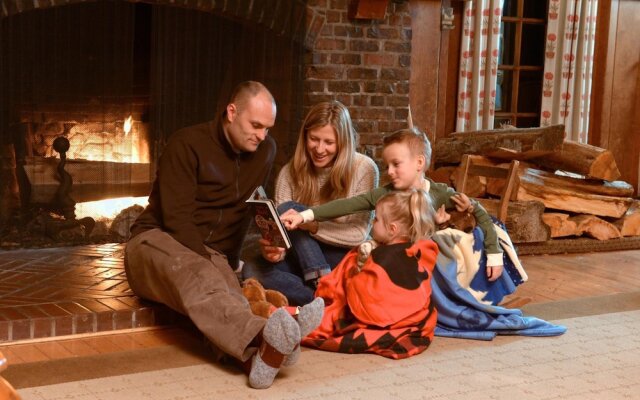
109,208
127,125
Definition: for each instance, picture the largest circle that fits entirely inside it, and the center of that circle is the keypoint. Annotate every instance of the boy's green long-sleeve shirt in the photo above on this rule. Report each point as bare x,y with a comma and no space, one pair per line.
440,194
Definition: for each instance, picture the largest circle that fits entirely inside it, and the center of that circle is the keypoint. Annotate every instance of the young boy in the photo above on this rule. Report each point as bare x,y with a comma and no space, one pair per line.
407,154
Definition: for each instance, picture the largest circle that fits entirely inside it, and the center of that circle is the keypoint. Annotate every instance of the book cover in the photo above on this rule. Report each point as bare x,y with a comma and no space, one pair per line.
268,219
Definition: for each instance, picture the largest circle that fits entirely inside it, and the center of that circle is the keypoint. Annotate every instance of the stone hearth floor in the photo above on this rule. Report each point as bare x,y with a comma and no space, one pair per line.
70,290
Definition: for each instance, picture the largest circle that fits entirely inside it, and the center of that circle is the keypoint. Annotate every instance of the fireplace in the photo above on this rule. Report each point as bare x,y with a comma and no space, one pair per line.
115,80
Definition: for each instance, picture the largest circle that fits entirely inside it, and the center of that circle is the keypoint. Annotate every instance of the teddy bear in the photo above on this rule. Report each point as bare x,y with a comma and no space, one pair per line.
262,301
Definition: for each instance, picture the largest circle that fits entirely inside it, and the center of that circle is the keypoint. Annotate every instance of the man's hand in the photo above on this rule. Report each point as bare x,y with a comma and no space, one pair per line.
494,272
462,201
291,219
271,253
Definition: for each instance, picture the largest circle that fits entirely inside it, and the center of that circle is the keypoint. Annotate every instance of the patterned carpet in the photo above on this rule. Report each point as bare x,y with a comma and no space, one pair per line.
599,357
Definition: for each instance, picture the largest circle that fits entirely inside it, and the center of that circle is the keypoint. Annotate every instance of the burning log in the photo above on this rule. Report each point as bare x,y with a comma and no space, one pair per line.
122,179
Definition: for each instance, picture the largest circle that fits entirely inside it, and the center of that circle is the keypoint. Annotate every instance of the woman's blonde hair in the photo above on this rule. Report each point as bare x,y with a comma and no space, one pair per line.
306,189
412,210
416,140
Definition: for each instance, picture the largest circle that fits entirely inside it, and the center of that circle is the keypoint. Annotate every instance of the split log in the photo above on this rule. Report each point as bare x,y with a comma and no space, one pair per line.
615,188
595,227
584,159
570,194
560,225
629,224
524,220
92,180
565,225
508,144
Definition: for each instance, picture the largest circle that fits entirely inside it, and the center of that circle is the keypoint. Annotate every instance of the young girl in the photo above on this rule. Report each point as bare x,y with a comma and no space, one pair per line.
384,306
407,154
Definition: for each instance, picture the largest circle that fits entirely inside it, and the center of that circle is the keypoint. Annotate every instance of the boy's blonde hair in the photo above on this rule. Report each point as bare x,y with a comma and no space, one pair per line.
416,140
412,210
306,188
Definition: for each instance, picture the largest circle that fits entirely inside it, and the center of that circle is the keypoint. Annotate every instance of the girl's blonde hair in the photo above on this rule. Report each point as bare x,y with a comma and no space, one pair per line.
306,189
412,210
416,140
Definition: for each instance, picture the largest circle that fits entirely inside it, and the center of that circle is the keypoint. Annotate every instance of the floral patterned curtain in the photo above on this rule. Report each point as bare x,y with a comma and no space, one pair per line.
478,64
568,66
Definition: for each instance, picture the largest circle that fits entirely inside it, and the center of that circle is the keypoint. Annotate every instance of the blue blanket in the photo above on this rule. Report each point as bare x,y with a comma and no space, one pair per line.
466,300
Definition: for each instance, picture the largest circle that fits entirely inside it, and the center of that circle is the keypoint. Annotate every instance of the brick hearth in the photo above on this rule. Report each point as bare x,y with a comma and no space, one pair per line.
70,290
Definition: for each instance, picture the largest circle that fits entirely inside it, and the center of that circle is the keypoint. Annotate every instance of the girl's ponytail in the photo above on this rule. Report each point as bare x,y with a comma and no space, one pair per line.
423,215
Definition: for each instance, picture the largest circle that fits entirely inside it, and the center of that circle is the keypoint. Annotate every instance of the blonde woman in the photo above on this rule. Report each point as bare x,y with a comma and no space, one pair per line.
325,167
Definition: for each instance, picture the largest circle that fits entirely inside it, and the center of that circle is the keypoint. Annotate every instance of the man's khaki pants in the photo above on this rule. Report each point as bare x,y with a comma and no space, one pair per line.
161,269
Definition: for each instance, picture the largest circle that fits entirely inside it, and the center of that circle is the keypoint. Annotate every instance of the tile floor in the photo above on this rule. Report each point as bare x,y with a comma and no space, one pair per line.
70,290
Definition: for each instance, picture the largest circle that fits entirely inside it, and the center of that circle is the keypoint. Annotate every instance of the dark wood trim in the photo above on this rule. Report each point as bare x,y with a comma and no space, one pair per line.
452,65
602,63
425,62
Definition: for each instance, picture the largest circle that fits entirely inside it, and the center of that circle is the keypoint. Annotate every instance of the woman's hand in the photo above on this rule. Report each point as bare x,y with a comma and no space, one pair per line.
291,219
271,253
462,202
494,272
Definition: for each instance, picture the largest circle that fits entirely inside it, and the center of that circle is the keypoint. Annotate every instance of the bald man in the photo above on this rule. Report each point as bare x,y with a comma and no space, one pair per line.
186,244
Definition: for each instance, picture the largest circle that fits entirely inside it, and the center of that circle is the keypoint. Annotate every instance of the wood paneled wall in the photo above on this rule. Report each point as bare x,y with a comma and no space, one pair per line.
615,111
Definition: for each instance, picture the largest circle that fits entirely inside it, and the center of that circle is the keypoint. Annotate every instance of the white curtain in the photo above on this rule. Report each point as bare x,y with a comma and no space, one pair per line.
478,64
568,66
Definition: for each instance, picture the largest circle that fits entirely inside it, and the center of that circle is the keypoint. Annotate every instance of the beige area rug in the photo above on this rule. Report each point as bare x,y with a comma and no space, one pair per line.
598,358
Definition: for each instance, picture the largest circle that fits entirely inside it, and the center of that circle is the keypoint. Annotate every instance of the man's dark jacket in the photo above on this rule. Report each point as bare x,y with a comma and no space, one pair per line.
199,193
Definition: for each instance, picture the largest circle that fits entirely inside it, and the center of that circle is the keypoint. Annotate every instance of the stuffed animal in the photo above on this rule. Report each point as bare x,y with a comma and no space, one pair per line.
461,220
262,301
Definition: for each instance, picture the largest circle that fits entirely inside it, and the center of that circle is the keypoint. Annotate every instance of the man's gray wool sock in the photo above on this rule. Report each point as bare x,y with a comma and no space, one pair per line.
282,333
309,318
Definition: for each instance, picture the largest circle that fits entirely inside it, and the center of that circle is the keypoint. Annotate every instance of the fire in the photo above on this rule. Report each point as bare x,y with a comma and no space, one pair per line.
127,125
109,208
115,141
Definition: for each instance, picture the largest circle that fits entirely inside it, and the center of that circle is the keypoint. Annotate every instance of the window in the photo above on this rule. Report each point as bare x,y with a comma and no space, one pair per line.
521,63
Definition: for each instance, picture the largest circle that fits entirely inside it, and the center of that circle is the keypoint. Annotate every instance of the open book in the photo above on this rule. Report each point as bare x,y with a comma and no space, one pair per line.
268,220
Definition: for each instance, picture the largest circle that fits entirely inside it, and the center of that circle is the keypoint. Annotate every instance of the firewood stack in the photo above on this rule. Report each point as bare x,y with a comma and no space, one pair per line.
563,188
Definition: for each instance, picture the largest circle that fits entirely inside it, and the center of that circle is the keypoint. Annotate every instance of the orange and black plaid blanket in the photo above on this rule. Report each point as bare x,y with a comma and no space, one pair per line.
384,307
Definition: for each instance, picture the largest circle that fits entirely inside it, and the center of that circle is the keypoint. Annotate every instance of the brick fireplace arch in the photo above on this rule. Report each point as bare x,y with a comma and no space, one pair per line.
273,15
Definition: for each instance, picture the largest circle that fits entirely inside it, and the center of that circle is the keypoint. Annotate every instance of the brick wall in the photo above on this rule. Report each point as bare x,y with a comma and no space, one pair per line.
365,64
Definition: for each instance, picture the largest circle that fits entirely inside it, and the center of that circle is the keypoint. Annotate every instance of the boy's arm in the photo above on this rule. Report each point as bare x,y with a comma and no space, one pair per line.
338,208
352,230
